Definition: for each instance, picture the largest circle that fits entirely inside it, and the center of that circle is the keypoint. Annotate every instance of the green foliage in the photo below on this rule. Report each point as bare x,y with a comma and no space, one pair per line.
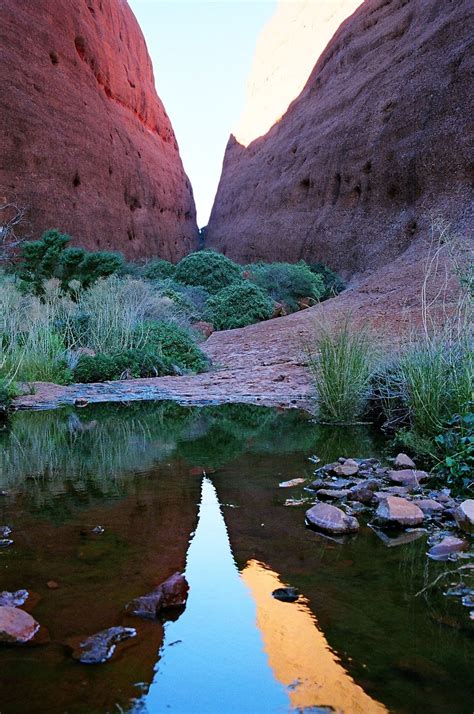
212,271
51,258
287,283
238,305
333,284
157,269
41,258
434,380
130,364
456,451
176,345
342,365
7,392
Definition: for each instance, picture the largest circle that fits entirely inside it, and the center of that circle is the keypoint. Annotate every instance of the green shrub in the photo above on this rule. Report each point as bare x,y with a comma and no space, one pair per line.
342,366
456,451
333,284
7,392
157,269
51,258
130,364
238,305
287,283
176,345
212,271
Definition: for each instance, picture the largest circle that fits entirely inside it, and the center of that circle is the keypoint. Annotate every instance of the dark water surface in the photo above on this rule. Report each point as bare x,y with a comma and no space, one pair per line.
357,640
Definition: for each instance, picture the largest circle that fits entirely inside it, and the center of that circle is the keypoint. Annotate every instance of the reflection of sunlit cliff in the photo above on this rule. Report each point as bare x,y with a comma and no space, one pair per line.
298,652
286,52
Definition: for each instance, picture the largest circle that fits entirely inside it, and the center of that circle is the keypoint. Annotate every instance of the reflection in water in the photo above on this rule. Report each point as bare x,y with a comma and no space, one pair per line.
215,639
298,652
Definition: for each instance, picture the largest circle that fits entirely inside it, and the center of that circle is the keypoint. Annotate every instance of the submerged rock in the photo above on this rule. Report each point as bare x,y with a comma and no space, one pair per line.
399,539
464,515
292,482
402,461
171,594
100,647
16,626
13,599
5,531
332,493
5,542
398,511
286,594
447,546
331,519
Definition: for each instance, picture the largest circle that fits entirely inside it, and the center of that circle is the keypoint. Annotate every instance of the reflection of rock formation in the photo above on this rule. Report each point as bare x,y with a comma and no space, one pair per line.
286,52
214,650
299,653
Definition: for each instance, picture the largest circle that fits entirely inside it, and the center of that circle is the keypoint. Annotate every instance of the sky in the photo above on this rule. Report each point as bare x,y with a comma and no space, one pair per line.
201,54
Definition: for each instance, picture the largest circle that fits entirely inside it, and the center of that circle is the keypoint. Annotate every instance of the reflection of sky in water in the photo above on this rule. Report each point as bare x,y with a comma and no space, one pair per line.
212,659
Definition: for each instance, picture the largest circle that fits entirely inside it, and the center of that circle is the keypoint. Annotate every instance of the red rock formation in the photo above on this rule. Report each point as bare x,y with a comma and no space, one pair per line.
378,138
85,142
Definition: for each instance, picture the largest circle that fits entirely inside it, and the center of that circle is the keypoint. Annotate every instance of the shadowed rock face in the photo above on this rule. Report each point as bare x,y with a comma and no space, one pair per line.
86,144
377,139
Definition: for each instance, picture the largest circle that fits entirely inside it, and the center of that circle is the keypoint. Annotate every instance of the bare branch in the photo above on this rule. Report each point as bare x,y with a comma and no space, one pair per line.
12,216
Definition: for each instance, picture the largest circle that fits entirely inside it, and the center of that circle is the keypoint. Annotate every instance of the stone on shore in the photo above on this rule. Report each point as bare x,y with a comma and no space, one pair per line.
396,511
464,515
408,477
447,546
16,626
402,461
331,519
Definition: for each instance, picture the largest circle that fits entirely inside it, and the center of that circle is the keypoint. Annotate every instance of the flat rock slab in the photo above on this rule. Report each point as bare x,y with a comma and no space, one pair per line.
16,626
331,519
334,493
396,511
446,547
408,477
429,506
292,482
100,647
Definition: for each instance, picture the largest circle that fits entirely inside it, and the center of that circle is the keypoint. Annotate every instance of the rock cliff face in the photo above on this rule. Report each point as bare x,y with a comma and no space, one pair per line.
378,138
85,142
284,57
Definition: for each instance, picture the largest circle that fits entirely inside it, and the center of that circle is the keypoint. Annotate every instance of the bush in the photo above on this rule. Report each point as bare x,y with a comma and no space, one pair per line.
333,284
157,269
456,451
175,344
129,364
287,283
50,258
7,392
238,305
212,271
342,368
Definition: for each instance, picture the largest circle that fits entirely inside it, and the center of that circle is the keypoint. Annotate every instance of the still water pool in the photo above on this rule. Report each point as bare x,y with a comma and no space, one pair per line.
196,490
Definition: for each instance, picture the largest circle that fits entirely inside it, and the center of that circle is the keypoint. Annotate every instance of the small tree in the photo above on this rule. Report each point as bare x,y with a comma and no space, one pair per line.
11,216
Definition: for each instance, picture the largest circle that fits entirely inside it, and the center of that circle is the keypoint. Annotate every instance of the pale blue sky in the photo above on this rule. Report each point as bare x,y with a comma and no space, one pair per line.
201,53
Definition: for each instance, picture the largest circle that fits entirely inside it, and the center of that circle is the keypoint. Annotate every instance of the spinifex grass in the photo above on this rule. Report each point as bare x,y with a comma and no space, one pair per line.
342,365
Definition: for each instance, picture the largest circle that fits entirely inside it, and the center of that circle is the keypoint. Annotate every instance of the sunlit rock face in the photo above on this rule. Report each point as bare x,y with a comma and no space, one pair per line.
376,141
85,143
286,52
